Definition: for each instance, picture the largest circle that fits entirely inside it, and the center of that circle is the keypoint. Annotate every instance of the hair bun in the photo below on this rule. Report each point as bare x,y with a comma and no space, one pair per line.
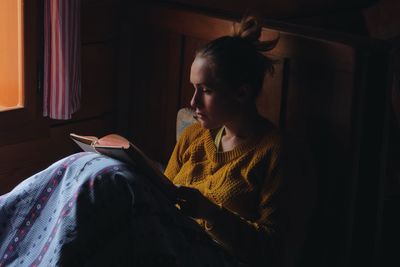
249,29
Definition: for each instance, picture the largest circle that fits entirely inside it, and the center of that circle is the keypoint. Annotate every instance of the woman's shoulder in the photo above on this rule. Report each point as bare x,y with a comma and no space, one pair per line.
282,142
271,136
292,150
192,133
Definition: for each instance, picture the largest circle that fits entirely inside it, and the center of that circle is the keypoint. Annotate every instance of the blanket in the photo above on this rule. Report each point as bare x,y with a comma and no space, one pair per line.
91,210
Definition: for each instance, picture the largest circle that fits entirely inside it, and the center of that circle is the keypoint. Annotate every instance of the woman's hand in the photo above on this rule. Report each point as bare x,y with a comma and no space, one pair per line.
192,203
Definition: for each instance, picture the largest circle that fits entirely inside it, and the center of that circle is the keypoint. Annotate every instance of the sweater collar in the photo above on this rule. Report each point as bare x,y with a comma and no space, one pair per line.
224,157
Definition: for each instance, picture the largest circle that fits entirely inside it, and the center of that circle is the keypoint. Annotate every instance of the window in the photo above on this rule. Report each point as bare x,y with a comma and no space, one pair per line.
11,54
20,36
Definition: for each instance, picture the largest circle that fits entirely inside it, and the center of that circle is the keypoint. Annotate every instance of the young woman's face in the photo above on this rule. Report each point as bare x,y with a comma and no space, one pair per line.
214,103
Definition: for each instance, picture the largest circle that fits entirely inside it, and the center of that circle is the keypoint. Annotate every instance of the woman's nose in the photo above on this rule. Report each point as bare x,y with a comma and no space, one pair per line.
195,101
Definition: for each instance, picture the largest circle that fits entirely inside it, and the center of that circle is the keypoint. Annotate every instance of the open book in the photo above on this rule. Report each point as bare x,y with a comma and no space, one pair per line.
116,146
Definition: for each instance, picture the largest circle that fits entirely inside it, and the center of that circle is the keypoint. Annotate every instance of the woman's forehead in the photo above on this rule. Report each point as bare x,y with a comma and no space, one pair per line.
201,71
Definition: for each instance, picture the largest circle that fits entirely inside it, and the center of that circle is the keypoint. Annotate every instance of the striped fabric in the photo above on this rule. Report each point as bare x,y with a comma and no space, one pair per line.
62,66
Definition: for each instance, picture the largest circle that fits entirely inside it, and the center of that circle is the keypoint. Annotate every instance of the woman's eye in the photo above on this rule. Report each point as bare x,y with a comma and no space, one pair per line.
202,89
206,91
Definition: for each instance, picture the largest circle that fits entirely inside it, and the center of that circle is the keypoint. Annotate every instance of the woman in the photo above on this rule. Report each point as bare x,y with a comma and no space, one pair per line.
231,164
230,168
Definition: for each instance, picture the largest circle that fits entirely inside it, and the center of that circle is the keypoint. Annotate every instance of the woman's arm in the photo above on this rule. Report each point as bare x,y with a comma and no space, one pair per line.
185,140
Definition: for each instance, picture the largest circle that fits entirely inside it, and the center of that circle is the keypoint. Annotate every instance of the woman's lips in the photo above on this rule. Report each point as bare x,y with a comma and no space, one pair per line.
199,115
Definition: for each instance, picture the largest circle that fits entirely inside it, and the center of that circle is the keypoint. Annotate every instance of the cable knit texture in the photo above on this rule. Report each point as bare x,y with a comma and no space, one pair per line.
242,180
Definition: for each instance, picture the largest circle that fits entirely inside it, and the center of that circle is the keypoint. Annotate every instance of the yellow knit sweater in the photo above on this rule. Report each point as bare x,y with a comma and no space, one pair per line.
265,186
242,180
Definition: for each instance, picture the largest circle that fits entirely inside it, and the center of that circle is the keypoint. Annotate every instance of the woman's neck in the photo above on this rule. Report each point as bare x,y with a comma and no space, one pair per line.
245,126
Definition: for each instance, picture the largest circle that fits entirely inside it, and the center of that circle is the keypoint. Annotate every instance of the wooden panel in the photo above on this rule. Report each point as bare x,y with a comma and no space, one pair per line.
319,110
317,94
334,50
269,102
372,103
191,45
154,91
99,20
124,77
278,9
331,54
186,23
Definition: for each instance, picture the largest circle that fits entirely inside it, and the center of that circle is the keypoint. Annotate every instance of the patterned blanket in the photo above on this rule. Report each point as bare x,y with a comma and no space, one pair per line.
91,210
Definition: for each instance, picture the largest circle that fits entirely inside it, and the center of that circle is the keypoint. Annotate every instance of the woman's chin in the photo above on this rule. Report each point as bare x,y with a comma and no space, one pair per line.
206,124
203,123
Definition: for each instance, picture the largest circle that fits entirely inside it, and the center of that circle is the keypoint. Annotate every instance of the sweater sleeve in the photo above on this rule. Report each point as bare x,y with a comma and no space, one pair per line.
174,163
276,237
176,160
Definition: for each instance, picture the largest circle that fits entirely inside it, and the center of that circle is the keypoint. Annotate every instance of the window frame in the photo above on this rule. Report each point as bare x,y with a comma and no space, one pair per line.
25,123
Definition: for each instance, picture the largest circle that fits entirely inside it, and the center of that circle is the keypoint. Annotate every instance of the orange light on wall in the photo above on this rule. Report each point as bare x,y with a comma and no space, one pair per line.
11,54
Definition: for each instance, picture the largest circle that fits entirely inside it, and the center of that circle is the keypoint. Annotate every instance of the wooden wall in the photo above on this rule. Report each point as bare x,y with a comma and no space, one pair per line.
279,9
323,91
21,159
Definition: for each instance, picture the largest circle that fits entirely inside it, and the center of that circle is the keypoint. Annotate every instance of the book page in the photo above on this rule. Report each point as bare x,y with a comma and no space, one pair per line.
84,143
